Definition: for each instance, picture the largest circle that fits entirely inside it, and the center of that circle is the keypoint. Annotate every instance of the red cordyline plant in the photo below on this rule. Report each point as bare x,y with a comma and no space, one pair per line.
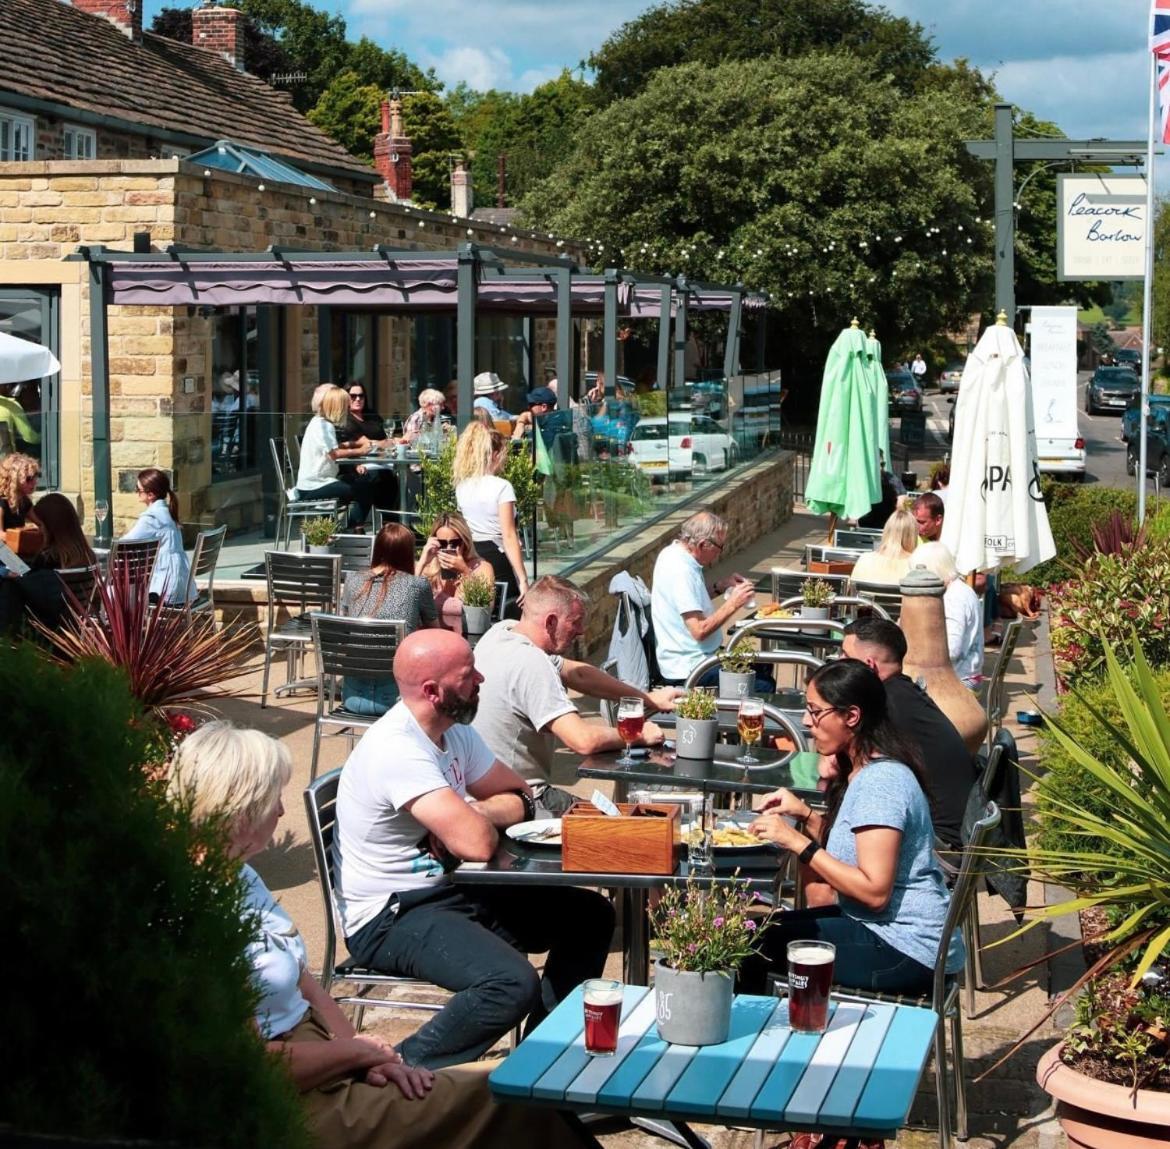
171,656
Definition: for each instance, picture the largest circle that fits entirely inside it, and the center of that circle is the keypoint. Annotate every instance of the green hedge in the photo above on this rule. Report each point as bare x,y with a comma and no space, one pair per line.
1073,509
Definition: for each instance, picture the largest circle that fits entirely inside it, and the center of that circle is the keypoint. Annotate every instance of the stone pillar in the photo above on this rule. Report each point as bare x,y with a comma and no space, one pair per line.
462,197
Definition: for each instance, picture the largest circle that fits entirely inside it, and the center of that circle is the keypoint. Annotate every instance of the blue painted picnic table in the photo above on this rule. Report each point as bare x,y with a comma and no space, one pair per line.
857,1079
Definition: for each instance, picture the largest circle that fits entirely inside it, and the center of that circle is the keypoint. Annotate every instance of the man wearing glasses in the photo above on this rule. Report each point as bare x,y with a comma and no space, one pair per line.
688,627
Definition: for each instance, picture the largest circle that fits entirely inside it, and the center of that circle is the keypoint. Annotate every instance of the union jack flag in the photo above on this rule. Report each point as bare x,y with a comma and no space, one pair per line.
1160,46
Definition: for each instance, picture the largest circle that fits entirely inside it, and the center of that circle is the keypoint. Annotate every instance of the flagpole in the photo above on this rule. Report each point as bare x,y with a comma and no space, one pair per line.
1147,292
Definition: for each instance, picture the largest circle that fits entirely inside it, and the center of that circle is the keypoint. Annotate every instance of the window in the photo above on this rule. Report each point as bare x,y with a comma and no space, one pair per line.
80,143
17,137
29,407
235,395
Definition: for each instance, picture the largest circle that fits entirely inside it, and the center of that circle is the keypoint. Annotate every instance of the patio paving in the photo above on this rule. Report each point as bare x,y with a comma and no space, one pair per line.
1007,1110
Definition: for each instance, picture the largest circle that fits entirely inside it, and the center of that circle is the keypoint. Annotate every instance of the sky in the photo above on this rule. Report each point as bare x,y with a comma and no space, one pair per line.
1079,63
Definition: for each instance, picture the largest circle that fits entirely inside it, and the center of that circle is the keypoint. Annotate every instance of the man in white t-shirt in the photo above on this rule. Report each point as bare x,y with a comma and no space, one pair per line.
419,794
688,627
525,709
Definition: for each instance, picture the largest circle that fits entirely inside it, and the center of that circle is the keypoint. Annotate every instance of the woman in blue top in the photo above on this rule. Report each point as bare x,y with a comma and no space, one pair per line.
160,520
874,846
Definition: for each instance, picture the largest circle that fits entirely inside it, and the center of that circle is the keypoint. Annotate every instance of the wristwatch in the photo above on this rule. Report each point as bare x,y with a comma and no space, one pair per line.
529,804
806,855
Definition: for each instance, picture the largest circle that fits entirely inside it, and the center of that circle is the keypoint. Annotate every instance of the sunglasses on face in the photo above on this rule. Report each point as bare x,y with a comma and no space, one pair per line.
449,544
357,395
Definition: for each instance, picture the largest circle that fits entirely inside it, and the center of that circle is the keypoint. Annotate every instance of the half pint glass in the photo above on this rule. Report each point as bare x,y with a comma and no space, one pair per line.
603,1010
810,973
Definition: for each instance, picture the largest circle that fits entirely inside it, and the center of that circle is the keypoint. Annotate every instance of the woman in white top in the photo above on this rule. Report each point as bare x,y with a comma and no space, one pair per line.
356,1091
488,503
160,520
890,559
318,476
963,610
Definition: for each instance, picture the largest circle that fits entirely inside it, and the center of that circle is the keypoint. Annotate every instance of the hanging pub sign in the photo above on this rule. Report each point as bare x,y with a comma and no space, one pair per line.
1100,226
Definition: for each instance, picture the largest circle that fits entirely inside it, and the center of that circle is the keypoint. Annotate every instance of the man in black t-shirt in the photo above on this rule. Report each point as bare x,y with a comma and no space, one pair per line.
949,766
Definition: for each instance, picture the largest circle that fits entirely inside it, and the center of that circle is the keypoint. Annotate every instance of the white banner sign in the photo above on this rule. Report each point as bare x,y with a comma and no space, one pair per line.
1053,367
1100,227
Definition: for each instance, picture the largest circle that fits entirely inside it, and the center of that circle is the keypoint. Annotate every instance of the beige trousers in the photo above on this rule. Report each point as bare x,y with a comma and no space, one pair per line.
458,1112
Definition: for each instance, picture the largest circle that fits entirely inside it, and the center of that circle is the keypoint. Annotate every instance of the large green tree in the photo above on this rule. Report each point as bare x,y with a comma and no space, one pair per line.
351,112
712,32
435,144
837,193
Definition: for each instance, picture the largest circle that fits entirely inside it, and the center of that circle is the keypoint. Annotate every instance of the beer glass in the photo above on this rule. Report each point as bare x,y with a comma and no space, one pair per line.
810,974
631,716
751,728
603,1011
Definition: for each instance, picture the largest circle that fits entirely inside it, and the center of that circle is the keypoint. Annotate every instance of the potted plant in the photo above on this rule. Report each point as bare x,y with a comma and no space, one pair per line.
477,592
696,724
1109,843
704,932
815,596
736,676
317,533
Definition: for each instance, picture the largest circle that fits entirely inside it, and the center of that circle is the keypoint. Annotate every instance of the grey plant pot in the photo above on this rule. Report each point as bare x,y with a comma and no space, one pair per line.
814,612
692,1008
695,737
736,683
319,549
477,618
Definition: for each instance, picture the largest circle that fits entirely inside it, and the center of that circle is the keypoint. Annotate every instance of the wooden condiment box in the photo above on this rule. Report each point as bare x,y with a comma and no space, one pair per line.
635,843
25,541
834,567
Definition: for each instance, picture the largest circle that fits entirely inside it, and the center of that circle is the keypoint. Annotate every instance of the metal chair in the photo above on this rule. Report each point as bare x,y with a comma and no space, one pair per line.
859,538
81,583
992,691
302,584
288,509
787,583
321,809
359,647
131,563
208,544
356,551
820,553
500,603
888,597
839,606
943,997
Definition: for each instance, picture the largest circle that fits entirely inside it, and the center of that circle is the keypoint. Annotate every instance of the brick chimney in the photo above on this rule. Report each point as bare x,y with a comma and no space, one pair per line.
392,152
462,196
218,30
125,15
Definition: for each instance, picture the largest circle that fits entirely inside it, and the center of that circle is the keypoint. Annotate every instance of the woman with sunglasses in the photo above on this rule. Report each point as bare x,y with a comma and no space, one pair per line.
362,420
448,557
874,846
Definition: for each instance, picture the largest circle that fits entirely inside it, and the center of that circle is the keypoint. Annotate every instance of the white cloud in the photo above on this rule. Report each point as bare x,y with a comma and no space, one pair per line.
479,68
533,77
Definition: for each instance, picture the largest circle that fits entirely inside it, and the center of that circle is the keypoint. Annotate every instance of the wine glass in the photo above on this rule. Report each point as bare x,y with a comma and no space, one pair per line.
751,728
101,510
630,717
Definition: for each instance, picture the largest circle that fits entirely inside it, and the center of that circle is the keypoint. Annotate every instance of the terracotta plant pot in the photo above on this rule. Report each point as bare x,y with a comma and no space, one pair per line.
1098,1115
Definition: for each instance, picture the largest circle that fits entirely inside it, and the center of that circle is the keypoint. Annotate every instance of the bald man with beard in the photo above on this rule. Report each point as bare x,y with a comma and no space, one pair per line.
420,794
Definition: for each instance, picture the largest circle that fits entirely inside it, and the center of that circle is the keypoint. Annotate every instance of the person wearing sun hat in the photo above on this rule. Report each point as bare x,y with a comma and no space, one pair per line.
488,385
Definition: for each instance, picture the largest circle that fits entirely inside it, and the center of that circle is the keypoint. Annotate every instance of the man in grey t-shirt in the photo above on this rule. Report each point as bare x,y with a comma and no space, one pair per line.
524,706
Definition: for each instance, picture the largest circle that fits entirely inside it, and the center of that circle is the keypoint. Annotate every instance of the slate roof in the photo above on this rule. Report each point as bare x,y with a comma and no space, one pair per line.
52,52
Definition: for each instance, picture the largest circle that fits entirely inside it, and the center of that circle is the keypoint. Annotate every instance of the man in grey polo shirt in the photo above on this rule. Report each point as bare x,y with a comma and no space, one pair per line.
524,707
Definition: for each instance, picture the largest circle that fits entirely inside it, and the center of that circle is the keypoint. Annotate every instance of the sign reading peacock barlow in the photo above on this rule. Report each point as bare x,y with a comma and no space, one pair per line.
1100,226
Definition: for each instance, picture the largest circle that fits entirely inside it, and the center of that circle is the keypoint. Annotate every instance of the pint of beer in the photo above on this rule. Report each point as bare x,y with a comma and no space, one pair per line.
603,1011
810,974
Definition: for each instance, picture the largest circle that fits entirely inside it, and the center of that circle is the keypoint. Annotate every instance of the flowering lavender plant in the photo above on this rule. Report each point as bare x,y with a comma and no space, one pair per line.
704,927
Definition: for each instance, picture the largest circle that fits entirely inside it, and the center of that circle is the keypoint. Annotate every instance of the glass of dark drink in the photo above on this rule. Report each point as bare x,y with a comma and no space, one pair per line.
603,1011
751,728
810,974
631,716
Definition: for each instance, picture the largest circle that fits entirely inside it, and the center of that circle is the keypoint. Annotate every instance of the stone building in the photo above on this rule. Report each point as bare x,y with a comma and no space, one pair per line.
112,136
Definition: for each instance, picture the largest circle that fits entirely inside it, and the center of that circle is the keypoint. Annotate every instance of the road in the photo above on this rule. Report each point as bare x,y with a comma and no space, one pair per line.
1104,450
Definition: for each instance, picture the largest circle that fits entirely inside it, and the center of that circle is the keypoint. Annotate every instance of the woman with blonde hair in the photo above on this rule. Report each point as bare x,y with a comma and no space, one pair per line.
488,503
18,481
890,559
448,558
356,1090
318,476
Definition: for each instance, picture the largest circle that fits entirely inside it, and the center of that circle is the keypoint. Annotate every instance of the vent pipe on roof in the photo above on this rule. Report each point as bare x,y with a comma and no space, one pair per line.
125,15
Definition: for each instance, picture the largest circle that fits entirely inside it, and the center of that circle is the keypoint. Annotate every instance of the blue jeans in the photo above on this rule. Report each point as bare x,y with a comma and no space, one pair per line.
368,696
864,960
474,941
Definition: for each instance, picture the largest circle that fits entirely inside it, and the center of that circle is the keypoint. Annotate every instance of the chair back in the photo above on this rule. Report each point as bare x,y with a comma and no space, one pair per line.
277,448
500,604
133,562
787,583
356,551
81,583
857,538
889,598
819,553
321,811
362,647
208,544
301,583
994,694
974,867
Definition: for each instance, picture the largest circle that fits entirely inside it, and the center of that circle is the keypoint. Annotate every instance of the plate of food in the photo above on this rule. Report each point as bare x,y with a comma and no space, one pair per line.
729,836
774,610
541,832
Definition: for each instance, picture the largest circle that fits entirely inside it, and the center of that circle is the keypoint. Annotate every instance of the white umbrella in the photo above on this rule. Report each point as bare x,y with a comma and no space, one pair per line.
21,360
995,516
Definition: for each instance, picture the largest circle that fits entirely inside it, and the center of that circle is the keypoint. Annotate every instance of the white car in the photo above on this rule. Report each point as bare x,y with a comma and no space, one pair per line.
1061,456
687,444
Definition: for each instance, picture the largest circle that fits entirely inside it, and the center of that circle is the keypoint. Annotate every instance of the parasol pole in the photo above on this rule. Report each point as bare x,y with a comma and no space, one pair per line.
1147,286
